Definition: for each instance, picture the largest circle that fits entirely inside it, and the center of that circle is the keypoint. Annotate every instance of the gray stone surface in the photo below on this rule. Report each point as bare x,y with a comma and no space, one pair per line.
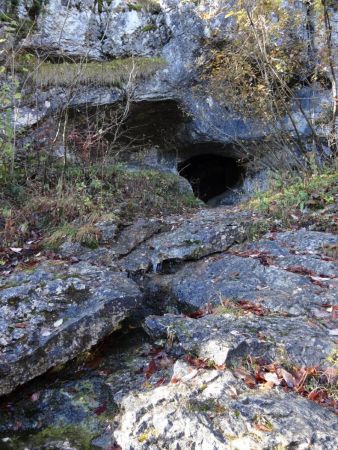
178,31
248,275
225,336
56,311
191,238
211,411
146,393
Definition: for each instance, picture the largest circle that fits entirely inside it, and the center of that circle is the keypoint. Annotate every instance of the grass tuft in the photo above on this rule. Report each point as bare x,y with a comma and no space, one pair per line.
107,73
301,200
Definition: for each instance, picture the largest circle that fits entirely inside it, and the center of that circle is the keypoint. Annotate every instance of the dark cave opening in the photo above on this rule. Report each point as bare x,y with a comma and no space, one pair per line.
211,175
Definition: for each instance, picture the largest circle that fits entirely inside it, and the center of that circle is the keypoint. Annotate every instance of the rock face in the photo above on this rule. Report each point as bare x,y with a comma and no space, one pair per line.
176,30
205,233
50,315
223,337
153,245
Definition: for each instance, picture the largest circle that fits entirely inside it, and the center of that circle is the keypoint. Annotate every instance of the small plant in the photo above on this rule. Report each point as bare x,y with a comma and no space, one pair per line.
107,73
294,198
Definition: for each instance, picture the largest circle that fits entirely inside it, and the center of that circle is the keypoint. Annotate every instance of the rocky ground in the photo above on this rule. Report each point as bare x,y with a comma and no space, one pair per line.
199,331
204,338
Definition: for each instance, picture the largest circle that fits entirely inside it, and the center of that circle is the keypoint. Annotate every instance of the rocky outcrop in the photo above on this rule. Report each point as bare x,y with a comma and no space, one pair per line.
245,330
267,274
149,245
211,411
51,314
228,334
204,233
176,30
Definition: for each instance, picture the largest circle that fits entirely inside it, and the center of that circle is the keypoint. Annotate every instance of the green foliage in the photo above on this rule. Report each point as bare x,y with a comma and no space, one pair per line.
36,7
9,96
148,28
293,199
108,73
152,6
333,359
76,435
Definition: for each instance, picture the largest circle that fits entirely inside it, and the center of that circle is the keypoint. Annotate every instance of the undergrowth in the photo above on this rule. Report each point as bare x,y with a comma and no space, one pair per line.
70,207
308,199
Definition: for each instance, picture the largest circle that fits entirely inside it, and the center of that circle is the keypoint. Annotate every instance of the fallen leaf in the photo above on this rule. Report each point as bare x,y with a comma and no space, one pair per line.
301,270
331,374
272,377
16,249
302,374
207,309
151,369
199,363
318,395
160,382
197,314
251,307
268,386
262,427
250,381
175,380
241,373
288,378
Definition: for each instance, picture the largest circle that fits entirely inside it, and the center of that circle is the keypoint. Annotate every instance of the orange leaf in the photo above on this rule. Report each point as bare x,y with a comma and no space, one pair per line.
250,381
151,369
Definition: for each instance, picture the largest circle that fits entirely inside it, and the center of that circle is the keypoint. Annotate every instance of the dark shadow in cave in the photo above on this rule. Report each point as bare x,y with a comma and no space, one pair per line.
211,175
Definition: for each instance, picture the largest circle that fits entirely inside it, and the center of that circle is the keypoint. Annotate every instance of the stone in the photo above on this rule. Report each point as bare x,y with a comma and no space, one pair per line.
56,311
267,279
202,234
71,26
213,412
298,250
225,337
180,33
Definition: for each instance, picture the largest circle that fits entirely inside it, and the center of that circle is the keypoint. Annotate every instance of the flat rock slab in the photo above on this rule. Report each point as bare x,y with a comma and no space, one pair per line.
306,252
221,338
265,273
211,411
56,311
202,234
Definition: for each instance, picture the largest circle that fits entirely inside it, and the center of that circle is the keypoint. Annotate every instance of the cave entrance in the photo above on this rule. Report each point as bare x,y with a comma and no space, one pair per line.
211,175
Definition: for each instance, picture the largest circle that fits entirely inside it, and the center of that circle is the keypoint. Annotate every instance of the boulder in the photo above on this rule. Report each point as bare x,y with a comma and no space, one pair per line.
54,312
